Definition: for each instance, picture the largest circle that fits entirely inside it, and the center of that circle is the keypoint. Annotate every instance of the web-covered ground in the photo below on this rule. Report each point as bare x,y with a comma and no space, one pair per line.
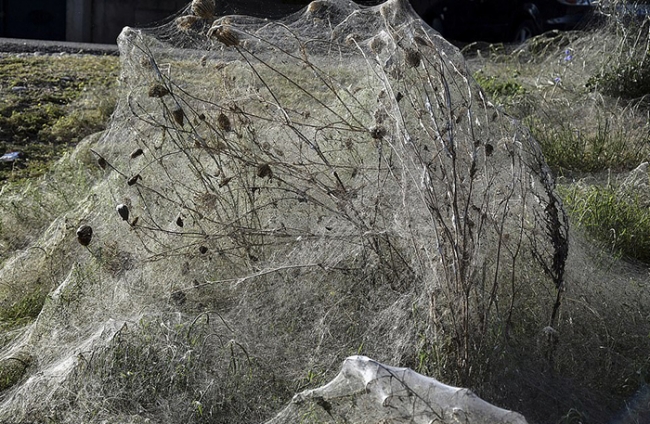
298,191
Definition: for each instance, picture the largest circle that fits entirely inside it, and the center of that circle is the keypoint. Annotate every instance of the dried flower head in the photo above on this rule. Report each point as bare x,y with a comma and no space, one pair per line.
223,122
178,115
316,6
412,58
84,235
224,181
378,132
185,23
157,90
134,179
123,210
137,152
264,171
203,8
377,45
422,40
351,39
225,34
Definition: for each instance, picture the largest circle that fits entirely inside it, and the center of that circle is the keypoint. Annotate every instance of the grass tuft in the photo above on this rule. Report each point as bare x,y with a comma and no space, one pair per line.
613,215
629,80
603,145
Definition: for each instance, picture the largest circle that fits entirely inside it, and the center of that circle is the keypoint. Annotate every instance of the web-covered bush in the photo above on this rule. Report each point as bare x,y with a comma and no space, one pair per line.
327,184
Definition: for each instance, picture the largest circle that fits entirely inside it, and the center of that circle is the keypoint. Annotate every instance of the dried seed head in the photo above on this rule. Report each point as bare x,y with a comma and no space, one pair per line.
377,132
316,6
264,171
203,8
84,235
489,149
225,34
178,115
185,23
134,179
136,153
224,181
223,122
421,40
123,210
412,58
179,221
101,162
157,90
351,39
203,250
377,45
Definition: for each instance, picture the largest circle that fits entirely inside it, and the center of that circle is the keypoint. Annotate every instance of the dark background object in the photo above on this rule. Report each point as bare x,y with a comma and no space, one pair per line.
502,20
101,21
37,19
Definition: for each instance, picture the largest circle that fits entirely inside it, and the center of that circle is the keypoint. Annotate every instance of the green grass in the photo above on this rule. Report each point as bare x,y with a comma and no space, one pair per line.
502,87
24,309
48,104
613,216
629,80
600,146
